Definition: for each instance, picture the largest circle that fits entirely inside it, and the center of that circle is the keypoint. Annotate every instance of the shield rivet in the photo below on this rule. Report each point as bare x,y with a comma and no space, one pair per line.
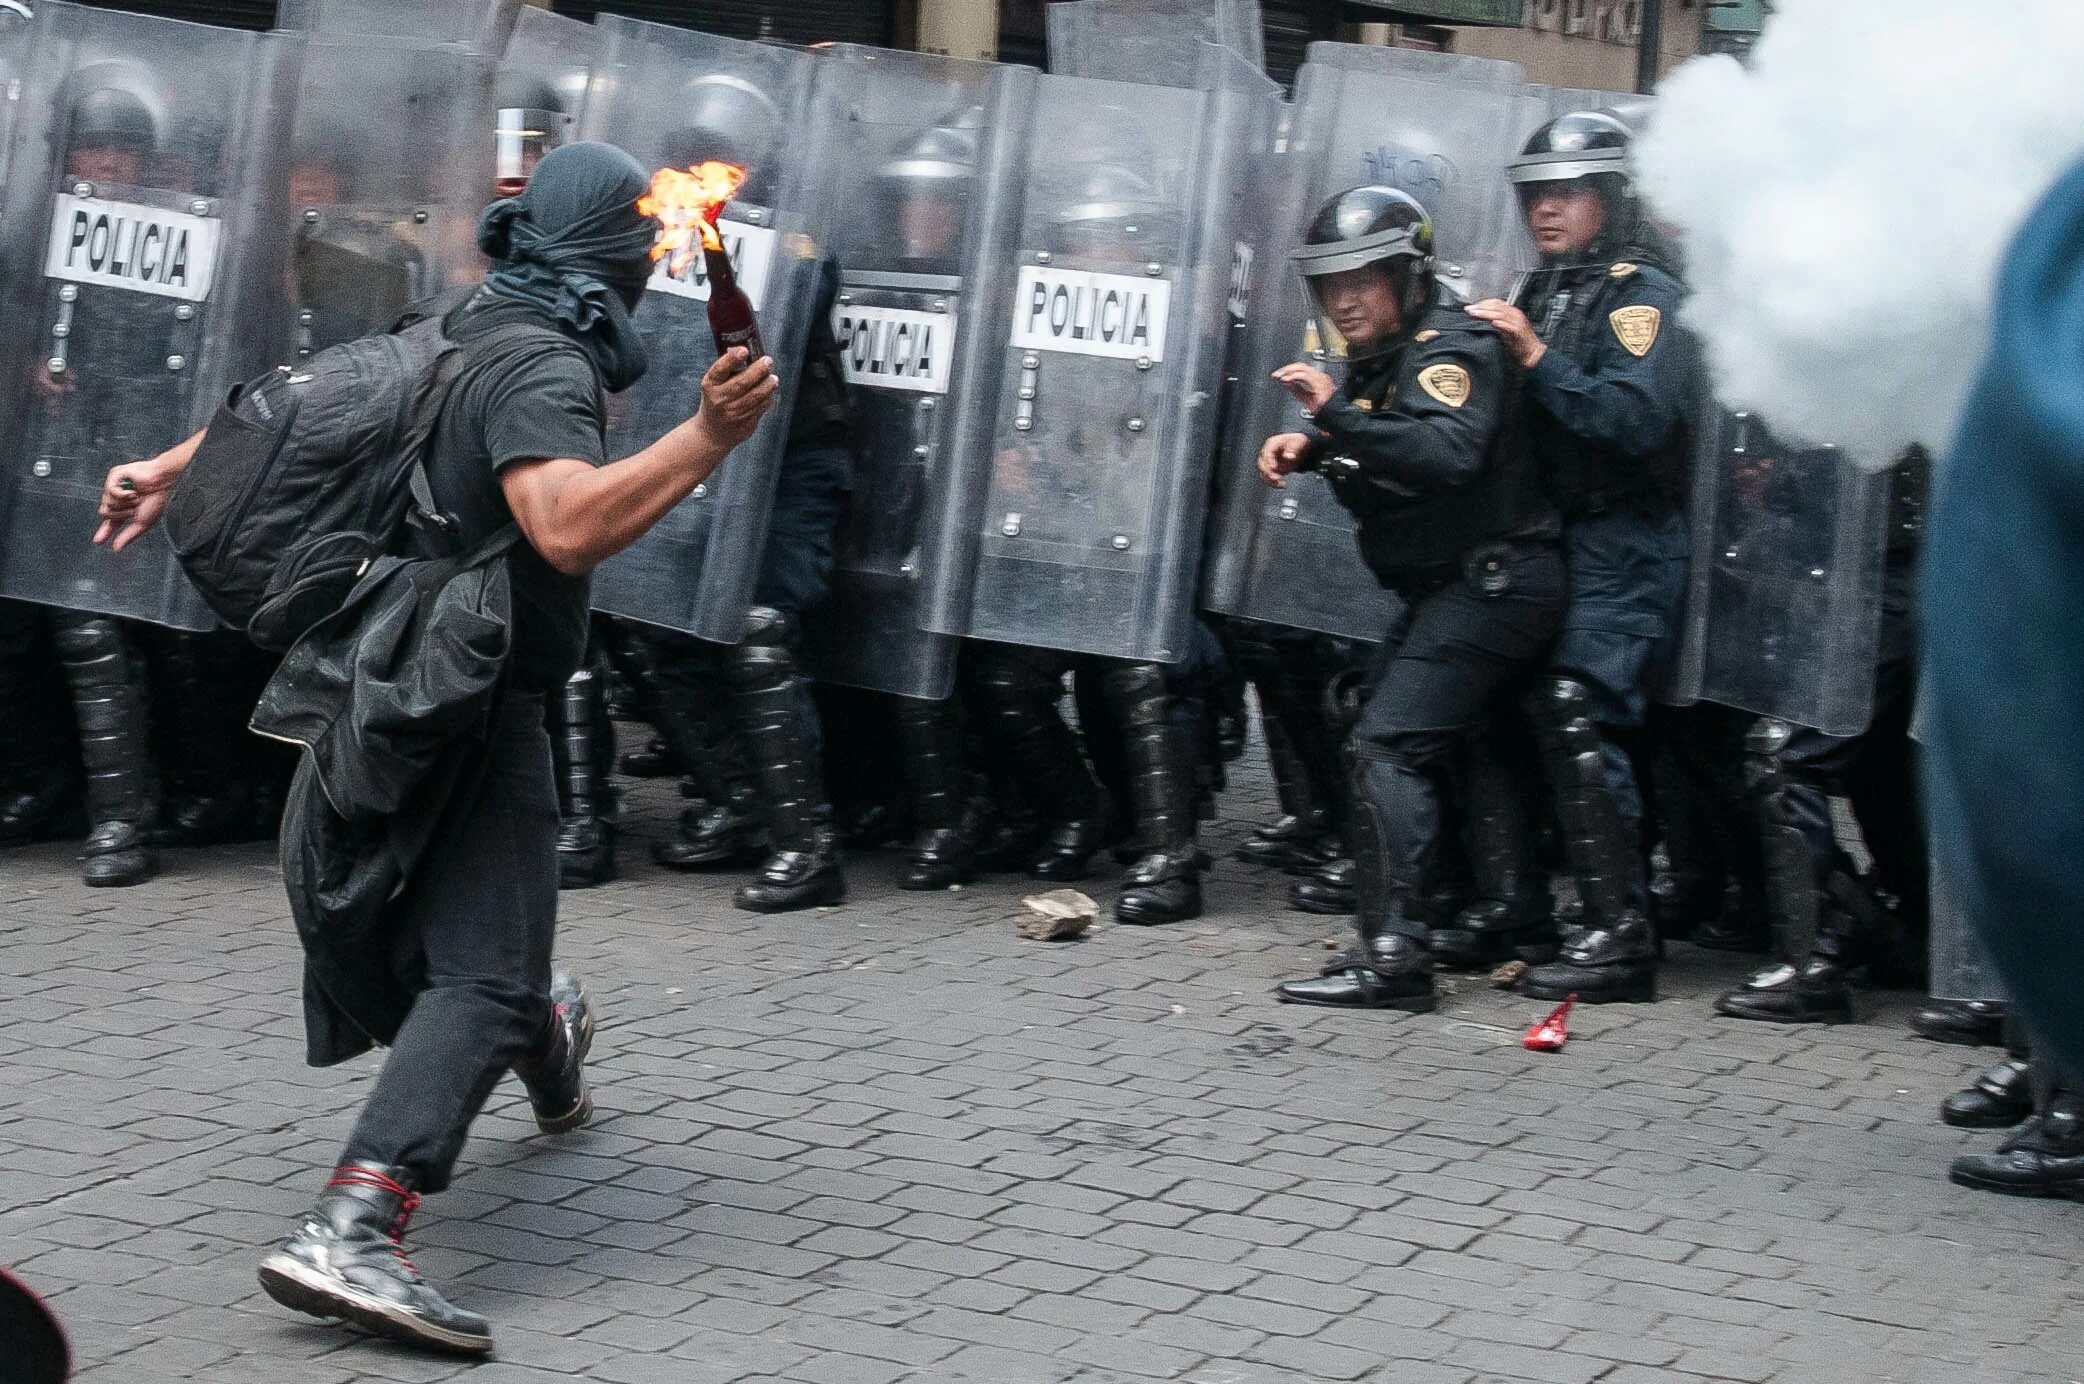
311,216
1023,424
56,365
69,294
1011,528
199,207
185,312
83,189
177,363
1154,269
1121,543
41,468
60,330
419,218
1143,362
1043,257
940,305
1136,425
846,297
922,451
1031,362
926,406
702,490
1289,509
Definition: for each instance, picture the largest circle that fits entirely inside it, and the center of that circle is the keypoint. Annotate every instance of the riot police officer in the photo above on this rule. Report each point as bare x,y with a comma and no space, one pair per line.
1608,385
1421,443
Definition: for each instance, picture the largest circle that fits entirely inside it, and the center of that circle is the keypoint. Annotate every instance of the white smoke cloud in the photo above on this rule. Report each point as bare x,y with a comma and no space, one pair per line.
1844,202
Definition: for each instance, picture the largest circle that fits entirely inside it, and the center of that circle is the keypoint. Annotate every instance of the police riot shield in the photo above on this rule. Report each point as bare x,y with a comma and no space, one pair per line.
1154,41
482,26
1439,127
137,165
16,36
388,146
1783,610
1091,494
540,93
675,98
923,163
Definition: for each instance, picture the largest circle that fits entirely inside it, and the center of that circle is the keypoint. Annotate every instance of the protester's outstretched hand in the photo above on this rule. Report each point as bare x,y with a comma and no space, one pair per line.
736,394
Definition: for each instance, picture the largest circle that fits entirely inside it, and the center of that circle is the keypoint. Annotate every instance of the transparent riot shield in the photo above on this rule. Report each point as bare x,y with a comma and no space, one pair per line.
482,26
1152,41
923,162
675,98
1440,127
539,94
1783,611
137,165
387,148
1090,496
17,35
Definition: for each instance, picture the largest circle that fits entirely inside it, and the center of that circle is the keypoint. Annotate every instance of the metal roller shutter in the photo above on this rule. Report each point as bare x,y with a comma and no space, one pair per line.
236,14
791,21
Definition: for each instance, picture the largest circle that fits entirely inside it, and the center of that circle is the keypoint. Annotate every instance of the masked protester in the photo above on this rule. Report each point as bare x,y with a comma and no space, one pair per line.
1421,443
519,441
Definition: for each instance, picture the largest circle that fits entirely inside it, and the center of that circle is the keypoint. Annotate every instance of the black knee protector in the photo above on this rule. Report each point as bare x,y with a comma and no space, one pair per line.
766,660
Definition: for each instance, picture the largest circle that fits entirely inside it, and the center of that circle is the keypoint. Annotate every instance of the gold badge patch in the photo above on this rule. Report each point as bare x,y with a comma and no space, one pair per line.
1447,383
1366,404
1427,335
1621,270
1636,328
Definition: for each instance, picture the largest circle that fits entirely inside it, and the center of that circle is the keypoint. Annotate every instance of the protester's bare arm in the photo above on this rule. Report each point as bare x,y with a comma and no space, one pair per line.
134,495
578,516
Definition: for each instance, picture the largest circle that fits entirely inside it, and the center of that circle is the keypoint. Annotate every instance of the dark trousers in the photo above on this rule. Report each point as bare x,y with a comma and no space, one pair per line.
481,914
1436,678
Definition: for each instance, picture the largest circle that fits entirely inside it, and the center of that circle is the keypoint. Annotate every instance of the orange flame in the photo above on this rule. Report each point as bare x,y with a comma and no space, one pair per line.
687,204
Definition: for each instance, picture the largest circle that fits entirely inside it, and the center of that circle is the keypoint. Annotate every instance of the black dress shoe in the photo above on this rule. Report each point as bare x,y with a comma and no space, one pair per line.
585,852
1813,993
346,1260
1392,972
1609,964
794,880
1328,891
1971,1023
711,838
117,857
2027,1164
1159,889
1067,853
1285,842
556,1077
940,858
1490,932
1999,1099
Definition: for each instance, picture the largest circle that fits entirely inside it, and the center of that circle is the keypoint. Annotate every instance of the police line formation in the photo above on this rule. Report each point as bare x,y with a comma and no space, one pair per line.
1134,379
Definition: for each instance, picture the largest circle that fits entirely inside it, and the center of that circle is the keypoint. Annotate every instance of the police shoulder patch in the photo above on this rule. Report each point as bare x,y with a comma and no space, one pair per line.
1427,335
1623,270
1636,327
1447,382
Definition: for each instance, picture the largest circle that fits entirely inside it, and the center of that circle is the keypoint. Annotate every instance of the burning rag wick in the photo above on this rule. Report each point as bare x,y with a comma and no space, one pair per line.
687,203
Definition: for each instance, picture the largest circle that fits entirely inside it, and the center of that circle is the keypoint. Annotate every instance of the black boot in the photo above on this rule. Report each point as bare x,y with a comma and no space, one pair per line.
802,869
1327,890
1390,972
1999,1099
108,700
556,1077
1164,885
1971,1023
39,782
2043,1157
1302,836
586,831
1814,992
1044,758
946,806
1613,957
346,1260
1512,914
1838,911
725,832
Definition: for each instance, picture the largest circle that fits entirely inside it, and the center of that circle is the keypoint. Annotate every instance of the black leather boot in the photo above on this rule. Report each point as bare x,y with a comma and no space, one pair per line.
1814,992
1999,1098
108,699
346,1260
1844,919
2043,1157
1326,891
1164,884
1612,956
1971,1023
1302,836
1512,914
586,830
802,869
725,831
1389,972
556,1077
39,781
946,806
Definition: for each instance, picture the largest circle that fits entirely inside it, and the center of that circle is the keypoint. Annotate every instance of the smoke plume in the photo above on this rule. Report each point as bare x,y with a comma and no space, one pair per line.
1844,202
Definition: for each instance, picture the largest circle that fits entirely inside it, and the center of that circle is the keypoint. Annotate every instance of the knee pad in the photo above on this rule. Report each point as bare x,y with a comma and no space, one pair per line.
767,657
1137,692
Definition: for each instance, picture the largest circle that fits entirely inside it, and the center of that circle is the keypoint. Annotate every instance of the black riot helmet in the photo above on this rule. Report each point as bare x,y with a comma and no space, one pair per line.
115,121
1112,213
924,185
727,119
531,121
1589,147
1373,227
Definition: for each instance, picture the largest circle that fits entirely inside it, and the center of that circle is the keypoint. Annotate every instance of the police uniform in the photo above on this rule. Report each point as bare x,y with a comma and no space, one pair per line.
1422,444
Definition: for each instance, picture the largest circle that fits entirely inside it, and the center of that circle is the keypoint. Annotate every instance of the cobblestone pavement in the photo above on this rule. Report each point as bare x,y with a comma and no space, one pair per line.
891,1141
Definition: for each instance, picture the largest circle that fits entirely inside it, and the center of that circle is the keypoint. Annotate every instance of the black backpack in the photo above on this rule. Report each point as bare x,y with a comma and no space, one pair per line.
312,471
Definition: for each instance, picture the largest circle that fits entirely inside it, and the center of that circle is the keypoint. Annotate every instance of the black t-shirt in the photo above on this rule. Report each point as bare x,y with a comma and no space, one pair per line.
514,405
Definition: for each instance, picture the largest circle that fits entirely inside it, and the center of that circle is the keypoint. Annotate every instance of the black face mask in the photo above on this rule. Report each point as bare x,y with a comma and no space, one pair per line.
574,245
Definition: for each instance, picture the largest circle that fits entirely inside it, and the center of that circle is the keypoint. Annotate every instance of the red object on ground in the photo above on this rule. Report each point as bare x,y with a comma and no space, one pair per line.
1551,1033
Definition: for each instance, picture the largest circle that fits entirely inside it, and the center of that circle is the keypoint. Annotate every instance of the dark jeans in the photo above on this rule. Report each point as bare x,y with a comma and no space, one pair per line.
1437,676
481,910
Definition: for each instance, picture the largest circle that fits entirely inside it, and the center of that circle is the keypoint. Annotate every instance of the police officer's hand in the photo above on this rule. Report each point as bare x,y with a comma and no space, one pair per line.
1512,324
133,496
736,394
1279,456
1312,388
